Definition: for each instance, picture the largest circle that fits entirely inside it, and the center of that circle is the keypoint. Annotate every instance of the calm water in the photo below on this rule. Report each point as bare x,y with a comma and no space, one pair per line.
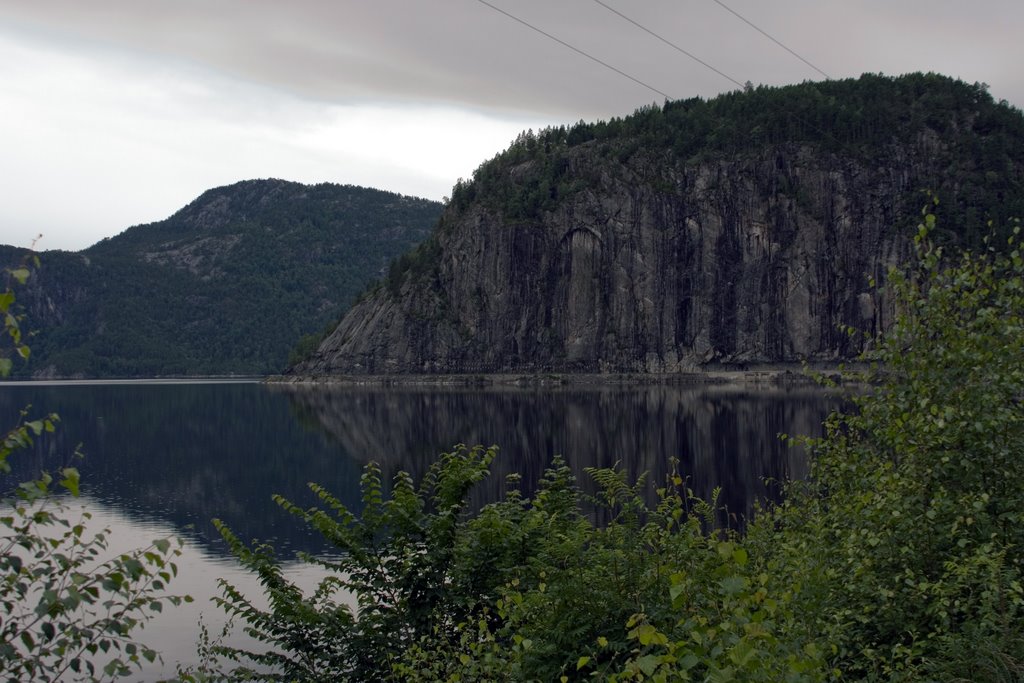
164,459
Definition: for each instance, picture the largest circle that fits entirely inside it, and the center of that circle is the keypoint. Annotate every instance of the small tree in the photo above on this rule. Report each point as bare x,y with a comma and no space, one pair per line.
398,560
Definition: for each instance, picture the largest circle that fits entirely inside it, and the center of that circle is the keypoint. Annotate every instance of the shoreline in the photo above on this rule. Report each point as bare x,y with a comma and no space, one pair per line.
83,381
777,376
780,375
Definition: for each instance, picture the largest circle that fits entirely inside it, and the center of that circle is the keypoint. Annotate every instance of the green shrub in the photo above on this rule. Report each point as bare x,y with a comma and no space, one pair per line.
909,535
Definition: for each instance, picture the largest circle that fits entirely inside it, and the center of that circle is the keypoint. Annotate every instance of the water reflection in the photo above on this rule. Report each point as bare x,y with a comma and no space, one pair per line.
722,436
164,459
186,453
174,631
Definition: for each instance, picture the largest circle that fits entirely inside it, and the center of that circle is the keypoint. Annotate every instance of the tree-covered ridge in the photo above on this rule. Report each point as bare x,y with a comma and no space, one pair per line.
976,142
226,285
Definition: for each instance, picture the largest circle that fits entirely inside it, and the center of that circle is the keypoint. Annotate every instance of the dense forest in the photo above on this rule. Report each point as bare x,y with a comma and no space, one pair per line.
227,285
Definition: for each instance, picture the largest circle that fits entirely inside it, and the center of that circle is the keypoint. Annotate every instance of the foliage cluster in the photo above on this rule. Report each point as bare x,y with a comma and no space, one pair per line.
898,560
915,513
522,590
13,318
227,285
66,609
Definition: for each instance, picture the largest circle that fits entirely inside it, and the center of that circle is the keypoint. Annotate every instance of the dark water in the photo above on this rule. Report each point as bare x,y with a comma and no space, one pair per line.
167,458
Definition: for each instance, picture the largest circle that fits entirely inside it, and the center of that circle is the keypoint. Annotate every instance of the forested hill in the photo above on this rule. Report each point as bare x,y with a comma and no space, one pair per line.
742,229
227,285
973,146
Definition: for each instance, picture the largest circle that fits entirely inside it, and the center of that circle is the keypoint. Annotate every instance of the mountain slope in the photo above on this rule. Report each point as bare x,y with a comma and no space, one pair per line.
224,286
744,229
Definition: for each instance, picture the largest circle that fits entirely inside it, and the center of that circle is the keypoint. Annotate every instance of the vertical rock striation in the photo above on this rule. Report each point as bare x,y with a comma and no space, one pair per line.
619,254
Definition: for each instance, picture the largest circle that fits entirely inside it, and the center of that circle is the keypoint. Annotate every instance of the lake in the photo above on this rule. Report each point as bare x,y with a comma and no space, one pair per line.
165,458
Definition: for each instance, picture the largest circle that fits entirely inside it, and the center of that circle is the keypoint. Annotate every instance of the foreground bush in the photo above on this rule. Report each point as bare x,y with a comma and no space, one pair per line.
909,538
900,558
525,589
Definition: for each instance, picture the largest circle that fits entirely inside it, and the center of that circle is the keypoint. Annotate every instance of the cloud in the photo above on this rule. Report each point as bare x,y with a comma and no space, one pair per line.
121,142
463,53
128,110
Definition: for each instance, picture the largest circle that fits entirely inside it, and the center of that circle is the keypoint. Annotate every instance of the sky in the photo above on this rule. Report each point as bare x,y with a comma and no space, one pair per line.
120,112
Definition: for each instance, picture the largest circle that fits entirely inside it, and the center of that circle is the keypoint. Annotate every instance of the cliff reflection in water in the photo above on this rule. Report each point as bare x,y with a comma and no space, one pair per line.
185,453
721,436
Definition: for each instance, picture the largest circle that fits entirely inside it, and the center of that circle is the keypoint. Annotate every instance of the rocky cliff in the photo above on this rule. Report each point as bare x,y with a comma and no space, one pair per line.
744,230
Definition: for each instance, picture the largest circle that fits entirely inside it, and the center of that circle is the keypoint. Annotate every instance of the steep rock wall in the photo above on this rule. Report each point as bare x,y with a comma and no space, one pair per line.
655,266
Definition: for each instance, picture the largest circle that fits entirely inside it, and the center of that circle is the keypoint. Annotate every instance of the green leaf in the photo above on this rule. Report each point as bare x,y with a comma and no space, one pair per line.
688,662
134,568
582,662
70,480
731,585
648,664
20,274
742,653
648,634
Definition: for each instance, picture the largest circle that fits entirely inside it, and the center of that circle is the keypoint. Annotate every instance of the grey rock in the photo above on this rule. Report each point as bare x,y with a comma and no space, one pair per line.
655,267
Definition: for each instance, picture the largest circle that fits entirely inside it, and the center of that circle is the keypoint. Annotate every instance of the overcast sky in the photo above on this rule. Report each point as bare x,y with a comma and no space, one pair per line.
119,112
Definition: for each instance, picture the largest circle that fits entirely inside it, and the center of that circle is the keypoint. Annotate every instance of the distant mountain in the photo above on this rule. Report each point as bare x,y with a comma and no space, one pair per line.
226,285
740,230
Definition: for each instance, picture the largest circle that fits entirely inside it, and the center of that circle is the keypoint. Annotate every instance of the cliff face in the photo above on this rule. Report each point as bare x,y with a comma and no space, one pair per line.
746,229
649,269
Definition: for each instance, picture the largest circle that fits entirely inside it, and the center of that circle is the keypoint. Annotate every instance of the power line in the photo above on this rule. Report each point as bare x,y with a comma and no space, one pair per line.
575,49
759,30
664,40
668,42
